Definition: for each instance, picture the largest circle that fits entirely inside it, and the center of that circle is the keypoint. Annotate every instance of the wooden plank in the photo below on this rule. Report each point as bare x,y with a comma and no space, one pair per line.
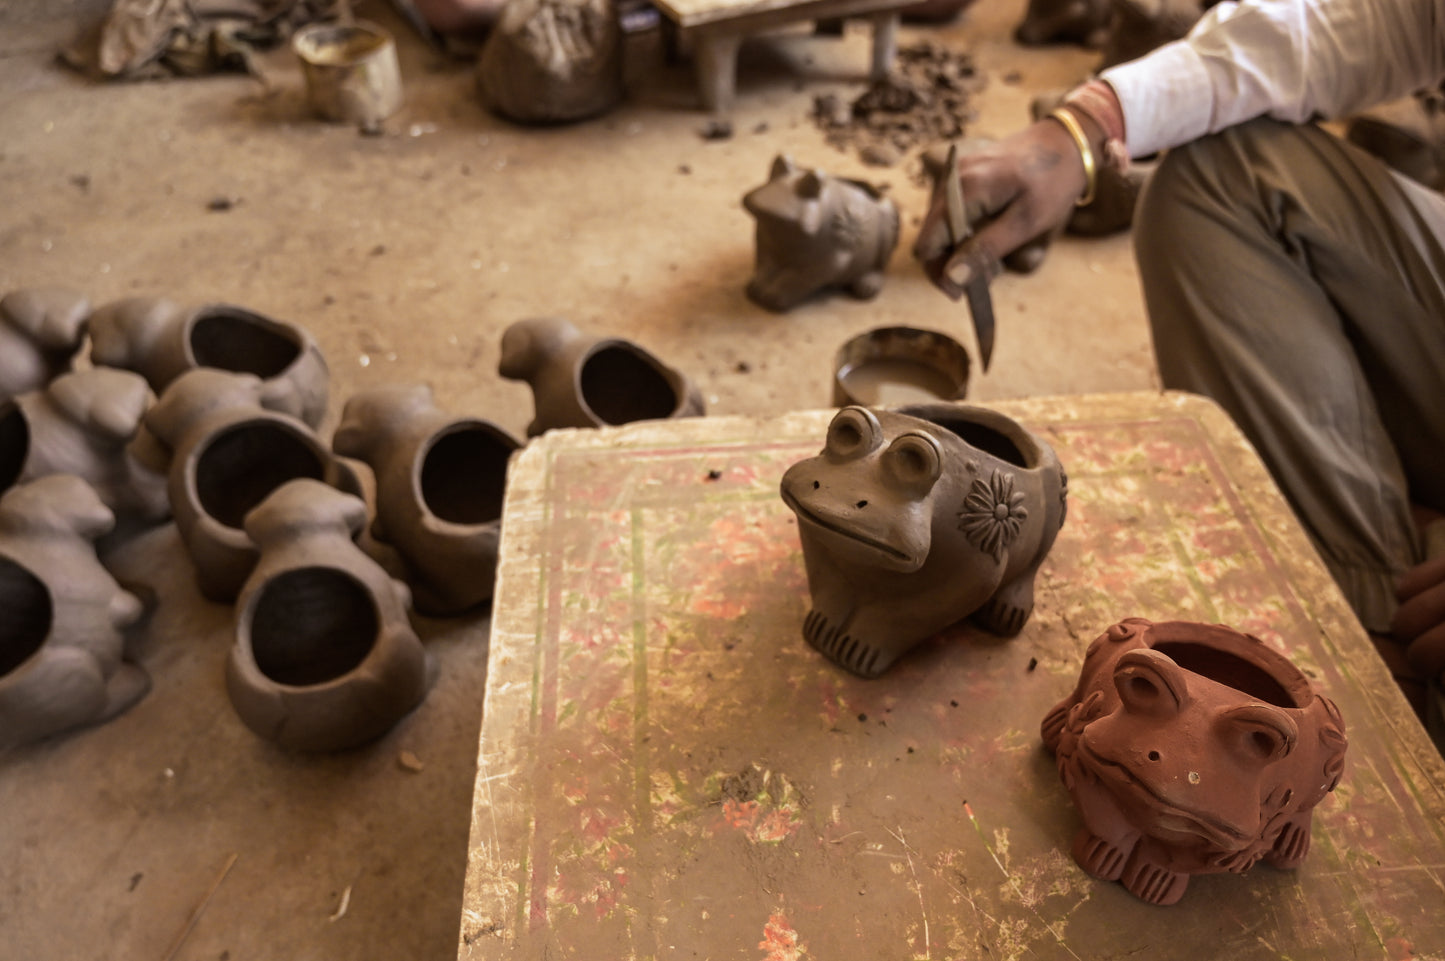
667,770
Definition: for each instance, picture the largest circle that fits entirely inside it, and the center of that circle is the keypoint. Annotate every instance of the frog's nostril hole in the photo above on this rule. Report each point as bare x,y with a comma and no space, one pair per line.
1153,755
861,504
815,485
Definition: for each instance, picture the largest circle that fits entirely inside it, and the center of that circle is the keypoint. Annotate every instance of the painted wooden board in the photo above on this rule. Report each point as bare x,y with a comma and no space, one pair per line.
667,770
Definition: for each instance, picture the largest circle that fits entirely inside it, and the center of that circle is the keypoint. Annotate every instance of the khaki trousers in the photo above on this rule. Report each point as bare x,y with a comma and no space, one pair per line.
1301,284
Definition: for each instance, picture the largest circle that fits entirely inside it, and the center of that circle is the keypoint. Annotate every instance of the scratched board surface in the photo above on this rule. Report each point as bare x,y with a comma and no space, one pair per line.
667,770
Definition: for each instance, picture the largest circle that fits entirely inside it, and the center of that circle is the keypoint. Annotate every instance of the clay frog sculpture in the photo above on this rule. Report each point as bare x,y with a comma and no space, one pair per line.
229,451
816,231
911,520
87,423
439,486
1191,749
63,618
41,329
160,341
325,658
582,381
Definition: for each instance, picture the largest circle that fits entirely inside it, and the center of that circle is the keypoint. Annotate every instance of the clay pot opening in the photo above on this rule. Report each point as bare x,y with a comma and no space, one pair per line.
312,625
464,475
899,365
1228,669
244,342
242,465
985,439
620,386
14,444
983,436
29,613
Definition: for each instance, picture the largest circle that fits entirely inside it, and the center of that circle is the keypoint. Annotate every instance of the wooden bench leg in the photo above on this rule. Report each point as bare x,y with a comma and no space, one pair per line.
717,67
885,43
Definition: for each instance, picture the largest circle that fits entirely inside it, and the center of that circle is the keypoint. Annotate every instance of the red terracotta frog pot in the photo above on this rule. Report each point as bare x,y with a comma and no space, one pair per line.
41,329
582,381
63,617
439,486
911,520
160,341
1191,749
228,453
325,658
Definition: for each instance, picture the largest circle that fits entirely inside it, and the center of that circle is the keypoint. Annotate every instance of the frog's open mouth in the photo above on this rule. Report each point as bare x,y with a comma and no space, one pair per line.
1170,816
831,527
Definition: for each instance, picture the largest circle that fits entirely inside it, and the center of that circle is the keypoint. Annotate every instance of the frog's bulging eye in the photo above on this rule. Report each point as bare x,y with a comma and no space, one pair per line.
853,433
915,461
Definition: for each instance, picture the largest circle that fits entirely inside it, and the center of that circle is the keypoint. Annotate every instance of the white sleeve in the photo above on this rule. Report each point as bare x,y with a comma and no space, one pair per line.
1290,59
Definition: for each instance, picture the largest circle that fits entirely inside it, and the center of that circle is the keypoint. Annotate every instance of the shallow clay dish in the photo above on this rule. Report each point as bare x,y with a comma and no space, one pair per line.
893,365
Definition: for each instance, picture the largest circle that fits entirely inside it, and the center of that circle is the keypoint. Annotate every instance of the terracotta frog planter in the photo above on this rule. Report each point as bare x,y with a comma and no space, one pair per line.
87,423
229,452
1191,749
816,231
582,381
914,519
62,632
324,658
439,486
41,329
160,341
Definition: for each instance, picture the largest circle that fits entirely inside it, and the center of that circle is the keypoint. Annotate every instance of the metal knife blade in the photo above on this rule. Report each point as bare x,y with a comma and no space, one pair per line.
980,304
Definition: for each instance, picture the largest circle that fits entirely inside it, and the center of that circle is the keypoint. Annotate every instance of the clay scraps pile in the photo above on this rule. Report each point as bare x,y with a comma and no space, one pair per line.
923,100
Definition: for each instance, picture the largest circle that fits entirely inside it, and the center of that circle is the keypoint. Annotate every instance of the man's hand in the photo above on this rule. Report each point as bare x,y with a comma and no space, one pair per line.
1014,191
1420,620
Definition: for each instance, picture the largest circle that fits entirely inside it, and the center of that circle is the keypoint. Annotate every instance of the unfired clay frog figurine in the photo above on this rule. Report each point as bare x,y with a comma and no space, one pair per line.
41,329
582,381
87,423
228,451
160,341
816,231
1191,749
911,520
63,617
439,486
325,657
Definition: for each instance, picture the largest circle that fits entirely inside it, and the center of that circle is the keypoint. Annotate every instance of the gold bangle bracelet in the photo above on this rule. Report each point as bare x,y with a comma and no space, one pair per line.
1086,153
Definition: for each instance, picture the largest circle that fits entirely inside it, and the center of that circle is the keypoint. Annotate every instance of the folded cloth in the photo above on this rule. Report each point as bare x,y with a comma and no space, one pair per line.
156,39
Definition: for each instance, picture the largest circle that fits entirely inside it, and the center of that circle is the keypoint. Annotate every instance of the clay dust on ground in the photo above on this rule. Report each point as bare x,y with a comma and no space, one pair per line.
923,99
